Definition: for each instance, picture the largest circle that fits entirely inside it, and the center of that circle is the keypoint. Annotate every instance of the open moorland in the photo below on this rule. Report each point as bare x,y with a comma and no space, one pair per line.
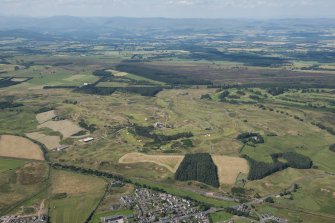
242,127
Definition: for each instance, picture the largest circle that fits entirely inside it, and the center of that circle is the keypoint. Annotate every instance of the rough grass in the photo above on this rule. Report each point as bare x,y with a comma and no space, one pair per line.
21,182
170,162
229,168
19,147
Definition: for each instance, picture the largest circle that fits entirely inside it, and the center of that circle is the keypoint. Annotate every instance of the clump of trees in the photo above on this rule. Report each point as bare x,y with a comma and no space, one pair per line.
206,96
69,101
199,167
269,200
223,95
9,104
277,91
86,126
158,139
332,147
294,160
246,137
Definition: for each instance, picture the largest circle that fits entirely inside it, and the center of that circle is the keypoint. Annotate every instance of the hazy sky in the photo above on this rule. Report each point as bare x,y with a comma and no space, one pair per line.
171,8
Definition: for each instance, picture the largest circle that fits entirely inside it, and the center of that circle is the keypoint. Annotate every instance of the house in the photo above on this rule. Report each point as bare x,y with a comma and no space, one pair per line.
159,125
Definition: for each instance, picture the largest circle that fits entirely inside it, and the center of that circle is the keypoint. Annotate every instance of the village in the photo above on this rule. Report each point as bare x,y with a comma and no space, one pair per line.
152,206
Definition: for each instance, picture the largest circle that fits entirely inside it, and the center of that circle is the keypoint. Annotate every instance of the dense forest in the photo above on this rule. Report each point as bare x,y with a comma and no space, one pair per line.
259,170
144,91
163,76
199,167
294,160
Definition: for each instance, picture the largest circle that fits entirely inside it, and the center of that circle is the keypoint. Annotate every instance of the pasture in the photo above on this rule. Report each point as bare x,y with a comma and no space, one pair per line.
19,147
66,127
50,142
82,195
45,116
229,168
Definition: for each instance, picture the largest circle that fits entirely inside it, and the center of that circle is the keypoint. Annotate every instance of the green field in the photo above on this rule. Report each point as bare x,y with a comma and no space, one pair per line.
220,216
10,164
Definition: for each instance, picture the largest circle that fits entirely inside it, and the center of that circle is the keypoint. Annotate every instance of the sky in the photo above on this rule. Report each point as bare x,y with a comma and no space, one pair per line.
171,8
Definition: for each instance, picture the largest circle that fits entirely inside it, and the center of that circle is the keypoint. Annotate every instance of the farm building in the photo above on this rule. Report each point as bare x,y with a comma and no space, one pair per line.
86,140
113,219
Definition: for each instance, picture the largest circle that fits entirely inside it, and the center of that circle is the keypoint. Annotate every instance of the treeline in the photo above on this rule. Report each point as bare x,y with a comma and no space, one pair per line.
102,73
199,167
149,91
89,171
9,104
60,87
44,109
163,76
323,127
246,137
259,170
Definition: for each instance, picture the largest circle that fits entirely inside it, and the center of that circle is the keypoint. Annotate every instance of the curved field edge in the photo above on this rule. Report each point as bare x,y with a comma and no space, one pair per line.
19,147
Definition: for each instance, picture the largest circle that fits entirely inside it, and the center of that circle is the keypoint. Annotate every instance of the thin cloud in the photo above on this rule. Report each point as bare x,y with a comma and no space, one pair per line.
171,8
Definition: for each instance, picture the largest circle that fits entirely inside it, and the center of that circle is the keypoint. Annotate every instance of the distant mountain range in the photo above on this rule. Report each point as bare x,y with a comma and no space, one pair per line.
91,27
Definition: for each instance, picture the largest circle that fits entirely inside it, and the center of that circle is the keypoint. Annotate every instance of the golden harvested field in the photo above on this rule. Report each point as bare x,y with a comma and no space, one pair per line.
50,142
72,183
170,162
230,167
45,116
19,147
65,127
